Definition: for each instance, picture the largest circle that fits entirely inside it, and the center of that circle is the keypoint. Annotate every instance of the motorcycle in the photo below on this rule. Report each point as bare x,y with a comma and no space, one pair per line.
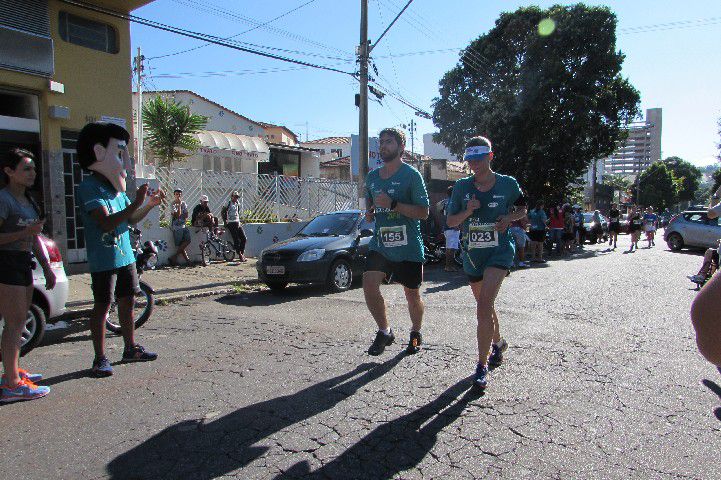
146,258
435,251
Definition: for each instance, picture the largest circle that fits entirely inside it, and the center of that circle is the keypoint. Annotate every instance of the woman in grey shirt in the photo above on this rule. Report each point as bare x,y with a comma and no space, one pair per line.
20,225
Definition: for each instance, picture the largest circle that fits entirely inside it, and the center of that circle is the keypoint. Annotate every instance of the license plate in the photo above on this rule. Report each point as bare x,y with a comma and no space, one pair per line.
275,270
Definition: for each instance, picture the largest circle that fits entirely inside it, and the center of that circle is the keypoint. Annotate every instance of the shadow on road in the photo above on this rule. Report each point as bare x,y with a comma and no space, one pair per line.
264,298
199,450
395,446
715,388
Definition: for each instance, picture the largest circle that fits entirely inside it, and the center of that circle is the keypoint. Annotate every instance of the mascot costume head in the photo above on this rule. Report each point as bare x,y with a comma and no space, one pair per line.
103,148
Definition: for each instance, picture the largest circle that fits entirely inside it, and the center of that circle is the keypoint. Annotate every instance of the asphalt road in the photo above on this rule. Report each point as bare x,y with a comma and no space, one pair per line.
601,380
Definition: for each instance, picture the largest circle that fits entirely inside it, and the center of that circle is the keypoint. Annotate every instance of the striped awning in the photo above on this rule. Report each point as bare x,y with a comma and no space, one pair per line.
239,145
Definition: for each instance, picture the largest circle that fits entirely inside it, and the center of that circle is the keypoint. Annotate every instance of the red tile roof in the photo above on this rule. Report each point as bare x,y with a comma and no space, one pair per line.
337,162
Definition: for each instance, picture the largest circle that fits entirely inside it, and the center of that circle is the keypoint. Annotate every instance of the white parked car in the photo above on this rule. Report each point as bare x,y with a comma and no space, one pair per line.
46,304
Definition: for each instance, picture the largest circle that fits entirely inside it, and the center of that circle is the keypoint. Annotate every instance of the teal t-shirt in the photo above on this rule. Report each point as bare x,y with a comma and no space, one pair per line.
106,250
478,233
538,219
397,237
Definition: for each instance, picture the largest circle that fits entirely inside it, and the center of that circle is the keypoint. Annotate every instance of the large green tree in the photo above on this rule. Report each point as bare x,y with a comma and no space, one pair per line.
549,95
618,183
169,127
658,187
687,174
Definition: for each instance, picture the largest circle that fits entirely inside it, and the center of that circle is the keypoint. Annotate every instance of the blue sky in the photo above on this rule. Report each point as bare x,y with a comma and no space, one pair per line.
671,48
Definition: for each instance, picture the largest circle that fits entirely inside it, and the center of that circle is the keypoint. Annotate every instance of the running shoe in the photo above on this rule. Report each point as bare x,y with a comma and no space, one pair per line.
696,278
33,377
480,379
523,264
496,357
137,353
26,390
102,367
415,342
380,343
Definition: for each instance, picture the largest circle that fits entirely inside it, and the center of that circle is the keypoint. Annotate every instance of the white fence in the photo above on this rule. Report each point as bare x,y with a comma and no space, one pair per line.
263,198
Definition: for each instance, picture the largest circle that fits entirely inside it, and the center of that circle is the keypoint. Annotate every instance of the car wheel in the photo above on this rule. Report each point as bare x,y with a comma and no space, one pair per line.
675,242
340,276
277,286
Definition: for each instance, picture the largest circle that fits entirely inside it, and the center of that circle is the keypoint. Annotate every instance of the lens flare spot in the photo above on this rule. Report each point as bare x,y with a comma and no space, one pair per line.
546,27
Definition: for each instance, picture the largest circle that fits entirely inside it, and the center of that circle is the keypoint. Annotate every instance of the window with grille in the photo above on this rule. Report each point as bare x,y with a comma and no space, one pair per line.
88,33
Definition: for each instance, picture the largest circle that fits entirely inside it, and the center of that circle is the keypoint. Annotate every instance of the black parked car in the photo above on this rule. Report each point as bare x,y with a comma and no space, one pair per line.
330,250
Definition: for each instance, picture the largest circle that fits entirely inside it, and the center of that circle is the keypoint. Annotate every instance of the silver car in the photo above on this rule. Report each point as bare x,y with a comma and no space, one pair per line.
692,229
46,304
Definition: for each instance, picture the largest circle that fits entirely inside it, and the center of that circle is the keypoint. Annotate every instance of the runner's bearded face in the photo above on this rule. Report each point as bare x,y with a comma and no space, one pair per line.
389,148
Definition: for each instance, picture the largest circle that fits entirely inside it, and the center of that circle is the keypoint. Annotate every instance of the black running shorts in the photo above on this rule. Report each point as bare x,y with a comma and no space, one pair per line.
123,280
17,268
408,274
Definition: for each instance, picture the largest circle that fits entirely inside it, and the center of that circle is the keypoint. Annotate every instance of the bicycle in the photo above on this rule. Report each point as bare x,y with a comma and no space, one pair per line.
146,257
214,246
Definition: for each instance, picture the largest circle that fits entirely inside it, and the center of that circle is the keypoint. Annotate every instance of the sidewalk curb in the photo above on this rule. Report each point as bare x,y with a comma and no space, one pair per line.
163,299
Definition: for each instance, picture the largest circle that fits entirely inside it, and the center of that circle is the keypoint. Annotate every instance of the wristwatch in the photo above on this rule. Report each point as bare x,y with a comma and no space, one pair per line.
394,204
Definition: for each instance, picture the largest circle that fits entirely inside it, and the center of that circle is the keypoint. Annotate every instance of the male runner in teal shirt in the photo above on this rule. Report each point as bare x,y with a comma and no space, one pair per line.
397,199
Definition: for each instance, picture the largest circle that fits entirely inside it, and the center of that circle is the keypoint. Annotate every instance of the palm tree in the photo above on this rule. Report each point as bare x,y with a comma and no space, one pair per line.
617,182
170,127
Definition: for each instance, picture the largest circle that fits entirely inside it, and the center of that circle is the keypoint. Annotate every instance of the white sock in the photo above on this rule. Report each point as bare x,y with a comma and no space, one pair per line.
387,331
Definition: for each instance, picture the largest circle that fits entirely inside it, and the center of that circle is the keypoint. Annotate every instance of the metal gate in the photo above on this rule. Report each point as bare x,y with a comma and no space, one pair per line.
72,176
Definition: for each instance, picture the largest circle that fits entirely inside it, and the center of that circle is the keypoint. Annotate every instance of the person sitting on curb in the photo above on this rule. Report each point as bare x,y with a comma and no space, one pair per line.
202,217
181,233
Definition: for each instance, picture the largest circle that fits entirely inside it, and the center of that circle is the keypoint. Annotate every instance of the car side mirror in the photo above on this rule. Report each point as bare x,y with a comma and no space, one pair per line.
366,233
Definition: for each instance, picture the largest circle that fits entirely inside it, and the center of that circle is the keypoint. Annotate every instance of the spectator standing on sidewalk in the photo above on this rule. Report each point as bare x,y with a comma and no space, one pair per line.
537,232
518,230
107,211
452,236
20,225
232,223
557,224
569,224
181,233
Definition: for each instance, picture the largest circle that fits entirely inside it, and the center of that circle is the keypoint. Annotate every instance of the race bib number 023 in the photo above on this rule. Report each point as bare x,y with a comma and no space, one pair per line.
393,236
482,235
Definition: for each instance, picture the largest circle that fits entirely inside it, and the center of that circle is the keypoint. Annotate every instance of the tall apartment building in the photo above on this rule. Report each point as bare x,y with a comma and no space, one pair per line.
640,149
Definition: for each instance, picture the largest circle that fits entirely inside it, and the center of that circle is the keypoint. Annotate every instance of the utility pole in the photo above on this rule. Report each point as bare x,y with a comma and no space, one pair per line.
363,105
593,185
139,112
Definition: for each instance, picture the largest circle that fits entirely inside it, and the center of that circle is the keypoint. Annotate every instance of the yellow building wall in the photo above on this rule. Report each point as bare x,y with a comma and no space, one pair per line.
96,84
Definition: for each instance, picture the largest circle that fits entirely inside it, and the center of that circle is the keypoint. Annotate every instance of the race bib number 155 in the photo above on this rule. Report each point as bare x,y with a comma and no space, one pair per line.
482,235
393,236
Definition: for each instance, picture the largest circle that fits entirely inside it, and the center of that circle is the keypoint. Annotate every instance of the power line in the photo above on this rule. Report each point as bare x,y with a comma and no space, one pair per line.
475,60
230,15
197,35
237,34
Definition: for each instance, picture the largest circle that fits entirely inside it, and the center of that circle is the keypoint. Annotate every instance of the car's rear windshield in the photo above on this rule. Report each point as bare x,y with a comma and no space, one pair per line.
330,225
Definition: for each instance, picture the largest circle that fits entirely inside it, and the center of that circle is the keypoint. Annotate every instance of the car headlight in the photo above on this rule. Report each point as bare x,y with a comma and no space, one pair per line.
312,255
